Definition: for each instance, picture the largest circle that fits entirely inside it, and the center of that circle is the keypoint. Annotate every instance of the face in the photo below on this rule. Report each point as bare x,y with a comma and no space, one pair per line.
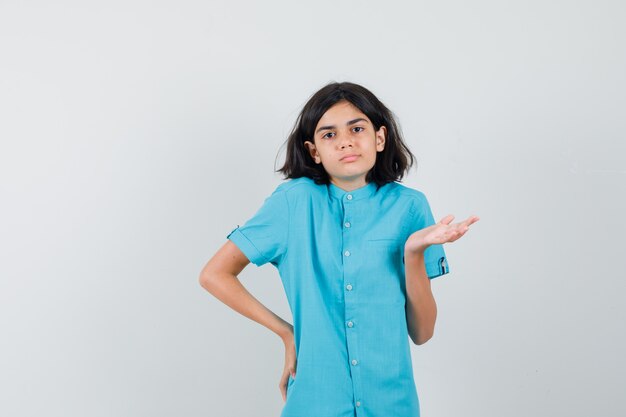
342,131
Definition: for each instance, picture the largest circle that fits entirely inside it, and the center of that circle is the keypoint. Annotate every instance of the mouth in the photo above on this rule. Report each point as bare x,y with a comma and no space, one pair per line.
349,158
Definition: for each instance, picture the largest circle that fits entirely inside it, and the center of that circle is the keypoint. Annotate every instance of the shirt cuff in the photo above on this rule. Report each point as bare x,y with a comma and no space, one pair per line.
437,268
246,246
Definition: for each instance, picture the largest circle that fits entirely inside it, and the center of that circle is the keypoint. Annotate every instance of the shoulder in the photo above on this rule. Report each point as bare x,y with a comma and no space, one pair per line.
299,186
412,197
401,191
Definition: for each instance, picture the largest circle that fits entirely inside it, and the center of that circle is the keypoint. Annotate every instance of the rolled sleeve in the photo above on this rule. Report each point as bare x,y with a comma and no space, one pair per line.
435,259
263,238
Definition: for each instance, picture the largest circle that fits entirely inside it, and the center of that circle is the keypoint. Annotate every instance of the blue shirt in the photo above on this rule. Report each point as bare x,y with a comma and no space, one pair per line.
340,256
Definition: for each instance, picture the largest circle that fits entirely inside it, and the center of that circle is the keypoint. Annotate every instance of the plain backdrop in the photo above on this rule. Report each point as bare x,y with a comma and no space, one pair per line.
135,135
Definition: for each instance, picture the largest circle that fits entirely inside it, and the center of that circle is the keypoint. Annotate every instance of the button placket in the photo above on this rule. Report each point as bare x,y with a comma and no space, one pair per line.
350,263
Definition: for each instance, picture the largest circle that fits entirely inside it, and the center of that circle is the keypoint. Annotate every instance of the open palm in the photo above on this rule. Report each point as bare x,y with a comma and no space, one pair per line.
443,232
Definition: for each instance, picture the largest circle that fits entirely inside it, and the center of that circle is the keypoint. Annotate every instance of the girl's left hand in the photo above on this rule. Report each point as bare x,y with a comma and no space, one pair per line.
438,233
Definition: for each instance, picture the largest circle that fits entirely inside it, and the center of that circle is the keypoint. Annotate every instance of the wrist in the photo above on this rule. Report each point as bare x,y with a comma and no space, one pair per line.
416,243
286,333
414,252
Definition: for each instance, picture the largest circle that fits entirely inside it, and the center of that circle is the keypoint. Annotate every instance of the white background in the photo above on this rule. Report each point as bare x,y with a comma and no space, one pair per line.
135,135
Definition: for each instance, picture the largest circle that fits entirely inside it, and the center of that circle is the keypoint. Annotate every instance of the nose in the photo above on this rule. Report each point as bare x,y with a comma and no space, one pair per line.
343,140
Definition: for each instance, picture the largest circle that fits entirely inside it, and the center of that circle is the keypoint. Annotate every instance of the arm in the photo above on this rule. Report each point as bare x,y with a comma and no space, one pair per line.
421,309
219,277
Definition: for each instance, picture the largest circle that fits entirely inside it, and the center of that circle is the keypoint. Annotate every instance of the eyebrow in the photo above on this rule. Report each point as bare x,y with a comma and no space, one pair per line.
351,122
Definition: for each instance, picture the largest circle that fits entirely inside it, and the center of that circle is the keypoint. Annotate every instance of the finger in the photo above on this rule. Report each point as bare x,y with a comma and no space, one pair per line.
472,220
447,219
458,232
460,225
282,385
469,221
454,232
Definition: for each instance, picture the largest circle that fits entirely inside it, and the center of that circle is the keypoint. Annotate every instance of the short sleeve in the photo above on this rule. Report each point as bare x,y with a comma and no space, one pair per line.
435,258
263,238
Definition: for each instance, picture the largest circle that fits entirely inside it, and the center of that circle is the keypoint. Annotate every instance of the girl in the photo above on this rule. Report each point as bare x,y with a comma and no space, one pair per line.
355,251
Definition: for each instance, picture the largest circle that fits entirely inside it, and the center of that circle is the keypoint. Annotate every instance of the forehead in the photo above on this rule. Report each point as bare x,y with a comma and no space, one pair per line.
341,112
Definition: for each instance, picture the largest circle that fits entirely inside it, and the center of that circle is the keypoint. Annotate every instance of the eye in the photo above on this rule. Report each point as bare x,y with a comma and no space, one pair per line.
325,136
359,127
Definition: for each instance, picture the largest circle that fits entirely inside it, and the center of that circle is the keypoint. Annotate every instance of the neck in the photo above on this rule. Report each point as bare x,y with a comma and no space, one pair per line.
349,184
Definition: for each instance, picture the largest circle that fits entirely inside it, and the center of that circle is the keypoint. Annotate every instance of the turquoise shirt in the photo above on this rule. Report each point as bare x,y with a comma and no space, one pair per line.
340,256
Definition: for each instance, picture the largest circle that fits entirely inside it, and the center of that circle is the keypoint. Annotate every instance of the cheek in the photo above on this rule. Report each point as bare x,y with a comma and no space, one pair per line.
370,154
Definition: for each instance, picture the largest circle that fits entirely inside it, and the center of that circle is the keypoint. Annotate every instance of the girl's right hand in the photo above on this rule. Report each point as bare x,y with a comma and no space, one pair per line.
290,365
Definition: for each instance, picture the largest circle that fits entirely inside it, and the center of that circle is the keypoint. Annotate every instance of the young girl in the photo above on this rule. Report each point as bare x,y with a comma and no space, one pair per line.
355,251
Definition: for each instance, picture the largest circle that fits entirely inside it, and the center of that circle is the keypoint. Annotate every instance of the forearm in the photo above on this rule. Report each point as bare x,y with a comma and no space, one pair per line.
228,289
421,309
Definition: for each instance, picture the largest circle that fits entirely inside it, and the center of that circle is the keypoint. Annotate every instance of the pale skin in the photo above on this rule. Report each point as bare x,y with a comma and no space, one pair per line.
342,130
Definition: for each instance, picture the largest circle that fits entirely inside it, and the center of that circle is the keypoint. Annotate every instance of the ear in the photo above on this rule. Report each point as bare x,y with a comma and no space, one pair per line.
313,151
381,136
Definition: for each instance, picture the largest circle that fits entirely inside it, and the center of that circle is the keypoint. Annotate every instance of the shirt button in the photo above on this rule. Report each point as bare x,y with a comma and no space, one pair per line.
347,253
350,324
347,224
349,287
349,196
354,361
358,403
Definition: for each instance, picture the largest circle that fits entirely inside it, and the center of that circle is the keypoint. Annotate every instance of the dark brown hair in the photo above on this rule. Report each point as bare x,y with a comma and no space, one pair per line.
391,164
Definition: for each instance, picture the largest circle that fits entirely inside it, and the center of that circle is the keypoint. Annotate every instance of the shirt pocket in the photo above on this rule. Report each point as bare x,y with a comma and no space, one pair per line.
386,244
383,270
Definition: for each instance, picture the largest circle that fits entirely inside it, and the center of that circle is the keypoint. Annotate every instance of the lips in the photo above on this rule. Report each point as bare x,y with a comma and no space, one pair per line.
350,157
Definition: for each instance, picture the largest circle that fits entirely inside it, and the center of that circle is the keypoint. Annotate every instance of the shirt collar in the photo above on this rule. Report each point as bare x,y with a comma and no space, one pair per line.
365,191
